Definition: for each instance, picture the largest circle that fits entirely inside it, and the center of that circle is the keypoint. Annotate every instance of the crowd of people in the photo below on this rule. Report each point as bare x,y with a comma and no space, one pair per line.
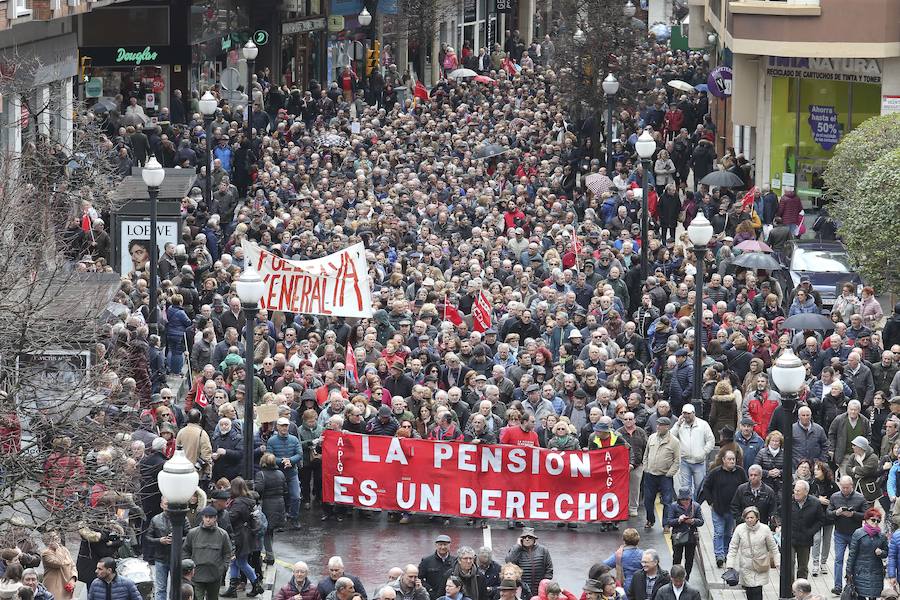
582,352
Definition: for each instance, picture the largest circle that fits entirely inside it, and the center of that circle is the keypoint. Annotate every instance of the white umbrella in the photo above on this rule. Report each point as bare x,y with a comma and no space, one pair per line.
684,86
462,74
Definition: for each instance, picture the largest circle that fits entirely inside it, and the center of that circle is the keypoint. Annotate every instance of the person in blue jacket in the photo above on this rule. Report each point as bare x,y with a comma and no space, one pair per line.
177,323
289,458
628,556
109,585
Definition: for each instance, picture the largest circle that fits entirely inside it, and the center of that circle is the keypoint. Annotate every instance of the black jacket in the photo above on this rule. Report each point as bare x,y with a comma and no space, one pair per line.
637,590
720,486
847,522
766,501
667,593
807,520
433,571
231,464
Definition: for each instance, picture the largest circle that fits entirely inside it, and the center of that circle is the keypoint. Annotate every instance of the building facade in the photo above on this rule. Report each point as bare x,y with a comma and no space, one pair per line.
805,73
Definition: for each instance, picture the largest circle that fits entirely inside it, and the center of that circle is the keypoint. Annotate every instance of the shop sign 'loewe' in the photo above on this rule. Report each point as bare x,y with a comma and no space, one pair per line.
145,55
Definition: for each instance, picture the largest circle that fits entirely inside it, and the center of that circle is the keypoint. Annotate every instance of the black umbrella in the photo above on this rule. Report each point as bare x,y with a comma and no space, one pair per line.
757,260
814,321
489,151
722,179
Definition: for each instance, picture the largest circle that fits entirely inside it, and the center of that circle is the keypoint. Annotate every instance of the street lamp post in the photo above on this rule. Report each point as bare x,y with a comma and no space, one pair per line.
788,375
208,105
250,53
250,290
645,147
700,231
365,19
610,89
153,175
177,483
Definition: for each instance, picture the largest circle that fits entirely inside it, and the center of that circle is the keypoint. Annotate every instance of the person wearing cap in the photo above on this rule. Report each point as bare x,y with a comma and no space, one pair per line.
533,558
681,385
748,441
661,462
384,423
289,458
696,442
864,468
686,517
209,546
299,587
434,568
398,383
535,404
508,589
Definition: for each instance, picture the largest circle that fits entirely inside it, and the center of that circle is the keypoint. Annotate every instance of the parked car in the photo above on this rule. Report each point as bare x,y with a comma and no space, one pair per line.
827,264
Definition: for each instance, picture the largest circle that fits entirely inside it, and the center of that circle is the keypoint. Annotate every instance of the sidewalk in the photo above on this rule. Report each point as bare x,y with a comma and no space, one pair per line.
718,589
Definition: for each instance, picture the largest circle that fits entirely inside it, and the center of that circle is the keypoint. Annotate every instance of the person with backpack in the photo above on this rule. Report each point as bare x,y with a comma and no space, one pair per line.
246,524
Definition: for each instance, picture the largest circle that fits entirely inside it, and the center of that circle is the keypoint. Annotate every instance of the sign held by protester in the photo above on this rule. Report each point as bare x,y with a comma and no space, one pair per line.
476,481
334,285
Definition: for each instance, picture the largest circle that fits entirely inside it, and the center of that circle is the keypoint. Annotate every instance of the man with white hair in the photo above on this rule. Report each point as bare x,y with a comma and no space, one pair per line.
845,428
299,587
335,574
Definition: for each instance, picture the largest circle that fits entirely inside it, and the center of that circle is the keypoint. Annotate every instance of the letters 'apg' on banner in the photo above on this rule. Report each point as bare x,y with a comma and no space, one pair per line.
335,285
475,480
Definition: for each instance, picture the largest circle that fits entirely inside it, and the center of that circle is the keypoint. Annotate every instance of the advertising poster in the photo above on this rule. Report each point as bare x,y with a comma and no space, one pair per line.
823,121
134,242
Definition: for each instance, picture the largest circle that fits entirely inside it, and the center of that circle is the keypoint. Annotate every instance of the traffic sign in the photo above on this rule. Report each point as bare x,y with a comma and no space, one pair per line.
260,37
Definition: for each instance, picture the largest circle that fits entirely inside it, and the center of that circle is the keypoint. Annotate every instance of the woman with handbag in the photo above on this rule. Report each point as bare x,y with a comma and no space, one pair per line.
686,517
752,553
867,551
863,467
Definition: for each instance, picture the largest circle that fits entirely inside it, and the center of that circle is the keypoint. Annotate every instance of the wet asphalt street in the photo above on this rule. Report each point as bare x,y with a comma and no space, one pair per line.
370,547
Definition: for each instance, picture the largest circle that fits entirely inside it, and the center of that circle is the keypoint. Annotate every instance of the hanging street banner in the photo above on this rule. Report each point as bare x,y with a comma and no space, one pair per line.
475,481
335,285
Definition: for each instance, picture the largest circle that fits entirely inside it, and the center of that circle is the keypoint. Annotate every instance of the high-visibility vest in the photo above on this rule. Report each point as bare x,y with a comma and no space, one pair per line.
611,441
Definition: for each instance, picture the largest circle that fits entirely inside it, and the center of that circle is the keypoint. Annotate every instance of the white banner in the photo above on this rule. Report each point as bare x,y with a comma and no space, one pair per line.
337,284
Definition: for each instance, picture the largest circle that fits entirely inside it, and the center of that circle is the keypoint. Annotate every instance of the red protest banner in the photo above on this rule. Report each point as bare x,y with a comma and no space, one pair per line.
481,313
475,480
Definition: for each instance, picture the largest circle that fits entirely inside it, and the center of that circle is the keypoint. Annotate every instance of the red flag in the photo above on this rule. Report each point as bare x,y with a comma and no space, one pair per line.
420,91
451,313
200,398
350,361
747,200
481,313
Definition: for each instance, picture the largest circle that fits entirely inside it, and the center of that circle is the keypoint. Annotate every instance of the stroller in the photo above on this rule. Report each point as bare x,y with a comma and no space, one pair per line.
138,571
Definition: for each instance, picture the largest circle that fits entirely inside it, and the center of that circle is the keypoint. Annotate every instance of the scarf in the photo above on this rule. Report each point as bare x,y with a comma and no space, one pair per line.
871,529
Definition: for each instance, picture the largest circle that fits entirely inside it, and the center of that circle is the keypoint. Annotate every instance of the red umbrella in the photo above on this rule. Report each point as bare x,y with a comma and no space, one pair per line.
484,79
753,246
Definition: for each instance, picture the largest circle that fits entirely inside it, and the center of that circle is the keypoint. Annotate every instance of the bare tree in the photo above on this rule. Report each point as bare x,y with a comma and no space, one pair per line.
595,38
60,457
